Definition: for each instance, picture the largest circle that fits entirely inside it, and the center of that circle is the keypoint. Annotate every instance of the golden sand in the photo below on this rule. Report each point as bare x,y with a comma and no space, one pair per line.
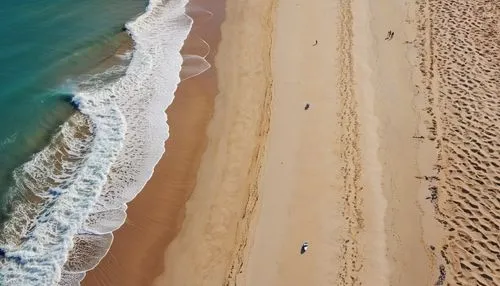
352,173
209,247
274,176
459,61
369,130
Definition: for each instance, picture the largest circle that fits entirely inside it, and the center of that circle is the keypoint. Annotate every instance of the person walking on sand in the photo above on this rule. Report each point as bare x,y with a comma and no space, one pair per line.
304,247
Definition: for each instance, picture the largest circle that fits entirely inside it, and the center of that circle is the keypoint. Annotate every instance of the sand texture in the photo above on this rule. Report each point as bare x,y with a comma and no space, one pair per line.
381,152
460,68
369,129
312,186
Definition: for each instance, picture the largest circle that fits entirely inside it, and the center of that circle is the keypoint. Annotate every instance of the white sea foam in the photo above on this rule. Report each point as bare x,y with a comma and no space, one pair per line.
74,191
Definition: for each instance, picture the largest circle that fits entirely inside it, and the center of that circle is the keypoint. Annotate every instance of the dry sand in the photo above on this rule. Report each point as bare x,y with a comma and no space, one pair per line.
275,175
459,65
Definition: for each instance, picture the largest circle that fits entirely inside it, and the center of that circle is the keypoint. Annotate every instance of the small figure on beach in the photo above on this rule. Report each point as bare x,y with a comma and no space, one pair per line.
390,35
304,247
315,43
307,106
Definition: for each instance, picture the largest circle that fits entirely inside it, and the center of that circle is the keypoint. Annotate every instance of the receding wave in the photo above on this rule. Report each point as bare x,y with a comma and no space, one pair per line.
68,199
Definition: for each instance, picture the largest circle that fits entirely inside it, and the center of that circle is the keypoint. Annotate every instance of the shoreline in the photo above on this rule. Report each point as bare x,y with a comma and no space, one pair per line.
211,243
173,177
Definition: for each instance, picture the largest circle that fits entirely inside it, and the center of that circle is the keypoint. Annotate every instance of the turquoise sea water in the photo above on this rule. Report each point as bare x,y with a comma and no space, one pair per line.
44,46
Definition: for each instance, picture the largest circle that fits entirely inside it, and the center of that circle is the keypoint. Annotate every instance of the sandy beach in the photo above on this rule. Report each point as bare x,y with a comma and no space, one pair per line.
343,124
276,174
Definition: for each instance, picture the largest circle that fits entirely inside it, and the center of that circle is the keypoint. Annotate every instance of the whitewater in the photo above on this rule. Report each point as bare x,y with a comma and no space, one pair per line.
74,192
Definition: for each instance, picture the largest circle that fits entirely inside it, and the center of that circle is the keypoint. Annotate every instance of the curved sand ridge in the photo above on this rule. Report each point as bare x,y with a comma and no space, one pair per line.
459,62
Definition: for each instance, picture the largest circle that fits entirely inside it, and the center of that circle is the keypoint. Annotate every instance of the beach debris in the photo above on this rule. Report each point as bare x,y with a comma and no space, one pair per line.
315,43
442,275
307,106
390,35
304,247
434,195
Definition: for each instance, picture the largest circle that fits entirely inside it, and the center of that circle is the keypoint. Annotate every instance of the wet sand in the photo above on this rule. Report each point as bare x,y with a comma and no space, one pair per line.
209,247
155,215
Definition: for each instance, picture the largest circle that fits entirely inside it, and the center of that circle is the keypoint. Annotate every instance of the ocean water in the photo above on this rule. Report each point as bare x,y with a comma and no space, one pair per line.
82,127
44,46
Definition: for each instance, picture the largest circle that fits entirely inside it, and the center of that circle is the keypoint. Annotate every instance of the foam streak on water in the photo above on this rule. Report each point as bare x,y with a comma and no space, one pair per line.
73,193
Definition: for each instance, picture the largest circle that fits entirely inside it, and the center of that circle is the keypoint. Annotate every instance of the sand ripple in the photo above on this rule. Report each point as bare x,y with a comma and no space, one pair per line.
460,44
